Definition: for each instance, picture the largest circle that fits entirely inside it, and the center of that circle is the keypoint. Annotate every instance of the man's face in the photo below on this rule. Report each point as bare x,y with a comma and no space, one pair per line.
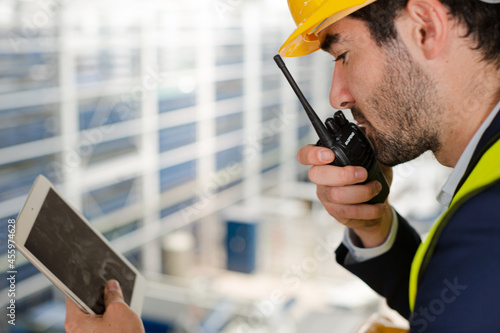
387,91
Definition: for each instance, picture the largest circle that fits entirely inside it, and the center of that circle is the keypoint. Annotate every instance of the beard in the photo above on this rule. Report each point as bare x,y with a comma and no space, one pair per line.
405,108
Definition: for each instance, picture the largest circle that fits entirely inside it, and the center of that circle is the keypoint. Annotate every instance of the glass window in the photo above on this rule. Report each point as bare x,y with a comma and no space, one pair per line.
107,150
229,89
304,131
105,111
178,136
174,99
271,112
177,175
229,54
27,71
271,81
176,58
106,64
121,230
270,142
17,178
179,206
27,124
229,123
110,198
229,157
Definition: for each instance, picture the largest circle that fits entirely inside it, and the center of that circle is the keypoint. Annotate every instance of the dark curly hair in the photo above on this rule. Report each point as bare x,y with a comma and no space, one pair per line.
481,19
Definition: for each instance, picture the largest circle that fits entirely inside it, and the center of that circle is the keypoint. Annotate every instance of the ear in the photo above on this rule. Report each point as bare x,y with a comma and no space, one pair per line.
429,22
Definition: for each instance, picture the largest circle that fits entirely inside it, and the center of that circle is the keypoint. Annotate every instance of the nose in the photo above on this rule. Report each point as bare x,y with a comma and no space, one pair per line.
340,96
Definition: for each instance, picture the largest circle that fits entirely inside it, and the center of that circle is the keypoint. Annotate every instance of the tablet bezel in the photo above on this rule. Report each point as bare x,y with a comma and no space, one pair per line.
24,224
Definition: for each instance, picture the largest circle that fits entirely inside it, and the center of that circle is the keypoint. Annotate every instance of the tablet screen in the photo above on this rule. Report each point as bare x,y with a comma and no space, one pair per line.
75,254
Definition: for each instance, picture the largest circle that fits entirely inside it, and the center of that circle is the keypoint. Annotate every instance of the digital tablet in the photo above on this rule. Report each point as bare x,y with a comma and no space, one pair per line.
65,247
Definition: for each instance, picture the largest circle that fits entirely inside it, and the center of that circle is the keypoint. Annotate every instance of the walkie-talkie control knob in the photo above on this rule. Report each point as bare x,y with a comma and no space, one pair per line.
340,118
333,126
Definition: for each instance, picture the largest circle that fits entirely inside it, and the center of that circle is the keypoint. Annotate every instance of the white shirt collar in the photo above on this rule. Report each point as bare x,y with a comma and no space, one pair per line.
446,195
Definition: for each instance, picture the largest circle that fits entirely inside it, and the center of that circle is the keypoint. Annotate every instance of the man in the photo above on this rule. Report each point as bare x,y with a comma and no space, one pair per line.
418,75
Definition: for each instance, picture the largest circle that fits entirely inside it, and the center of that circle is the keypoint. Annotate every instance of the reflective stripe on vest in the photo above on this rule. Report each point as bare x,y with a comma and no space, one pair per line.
485,173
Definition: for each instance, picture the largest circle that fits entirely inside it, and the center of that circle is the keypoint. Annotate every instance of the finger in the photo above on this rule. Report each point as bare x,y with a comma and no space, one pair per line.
74,315
351,194
315,155
117,310
356,216
113,293
337,176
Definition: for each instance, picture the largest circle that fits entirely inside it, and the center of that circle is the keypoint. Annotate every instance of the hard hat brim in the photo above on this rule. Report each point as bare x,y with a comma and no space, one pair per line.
304,39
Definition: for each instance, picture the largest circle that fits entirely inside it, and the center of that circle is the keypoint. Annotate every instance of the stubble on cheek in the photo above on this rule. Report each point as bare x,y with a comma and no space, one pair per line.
403,110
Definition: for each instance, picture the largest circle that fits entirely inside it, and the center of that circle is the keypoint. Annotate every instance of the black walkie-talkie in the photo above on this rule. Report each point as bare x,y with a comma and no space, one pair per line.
348,142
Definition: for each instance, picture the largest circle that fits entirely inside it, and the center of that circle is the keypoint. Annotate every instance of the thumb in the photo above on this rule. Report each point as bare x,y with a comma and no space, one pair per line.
113,293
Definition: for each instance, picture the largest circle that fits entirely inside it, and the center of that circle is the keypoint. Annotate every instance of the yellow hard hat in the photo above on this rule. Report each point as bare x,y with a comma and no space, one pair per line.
312,16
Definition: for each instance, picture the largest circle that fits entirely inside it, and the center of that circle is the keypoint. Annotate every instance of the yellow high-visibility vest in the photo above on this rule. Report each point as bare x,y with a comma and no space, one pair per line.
485,173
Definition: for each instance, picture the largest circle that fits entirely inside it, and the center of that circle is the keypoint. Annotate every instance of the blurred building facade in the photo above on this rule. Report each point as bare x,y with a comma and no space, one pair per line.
154,116
148,115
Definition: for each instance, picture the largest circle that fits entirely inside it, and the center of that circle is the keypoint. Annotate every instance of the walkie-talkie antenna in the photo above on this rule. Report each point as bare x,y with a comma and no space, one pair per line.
324,135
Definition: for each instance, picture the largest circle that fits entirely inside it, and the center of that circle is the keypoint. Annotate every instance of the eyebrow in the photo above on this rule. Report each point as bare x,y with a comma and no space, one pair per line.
329,40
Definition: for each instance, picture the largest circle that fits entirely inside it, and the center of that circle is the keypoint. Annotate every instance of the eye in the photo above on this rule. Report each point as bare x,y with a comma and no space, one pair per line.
341,57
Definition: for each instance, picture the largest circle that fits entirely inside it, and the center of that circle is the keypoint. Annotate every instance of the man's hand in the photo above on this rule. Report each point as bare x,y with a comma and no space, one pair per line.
339,191
118,317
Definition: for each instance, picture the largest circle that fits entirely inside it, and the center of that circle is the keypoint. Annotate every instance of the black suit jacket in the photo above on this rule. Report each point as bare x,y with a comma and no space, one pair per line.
460,289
